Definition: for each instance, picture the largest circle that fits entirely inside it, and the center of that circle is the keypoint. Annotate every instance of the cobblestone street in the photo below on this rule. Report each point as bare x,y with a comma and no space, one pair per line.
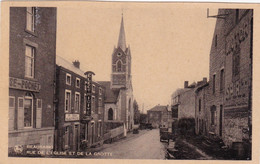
145,145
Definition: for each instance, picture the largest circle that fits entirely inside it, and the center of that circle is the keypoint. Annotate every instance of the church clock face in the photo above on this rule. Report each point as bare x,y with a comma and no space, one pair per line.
119,54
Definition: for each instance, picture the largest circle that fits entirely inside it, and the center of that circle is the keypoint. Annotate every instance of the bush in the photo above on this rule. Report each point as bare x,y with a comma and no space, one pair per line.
186,126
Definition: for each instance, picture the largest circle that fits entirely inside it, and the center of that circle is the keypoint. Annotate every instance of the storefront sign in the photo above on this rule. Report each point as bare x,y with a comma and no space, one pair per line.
22,84
71,117
89,91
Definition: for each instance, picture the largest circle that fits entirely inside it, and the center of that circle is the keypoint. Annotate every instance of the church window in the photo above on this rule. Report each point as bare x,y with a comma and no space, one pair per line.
119,54
110,114
119,66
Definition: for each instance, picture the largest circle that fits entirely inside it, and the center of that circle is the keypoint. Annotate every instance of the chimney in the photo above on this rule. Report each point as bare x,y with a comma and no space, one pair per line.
76,64
186,84
204,79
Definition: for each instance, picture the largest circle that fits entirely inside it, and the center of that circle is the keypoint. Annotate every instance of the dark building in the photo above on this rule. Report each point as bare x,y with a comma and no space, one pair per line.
72,129
32,54
230,84
158,116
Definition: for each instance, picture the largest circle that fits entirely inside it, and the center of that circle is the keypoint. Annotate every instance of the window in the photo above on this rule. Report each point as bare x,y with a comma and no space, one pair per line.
222,80
77,102
38,113
11,112
30,19
199,105
100,91
99,105
29,61
214,84
67,100
85,104
11,102
77,82
119,66
213,115
28,111
66,137
99,128
68,79
93,104
110,114
93,88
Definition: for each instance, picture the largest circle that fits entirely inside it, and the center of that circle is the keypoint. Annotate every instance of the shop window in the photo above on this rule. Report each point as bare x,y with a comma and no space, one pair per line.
77,102
30,19
68,79
29,61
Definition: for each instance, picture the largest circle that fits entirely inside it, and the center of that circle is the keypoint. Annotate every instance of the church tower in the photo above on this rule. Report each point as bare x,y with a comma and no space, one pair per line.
121,62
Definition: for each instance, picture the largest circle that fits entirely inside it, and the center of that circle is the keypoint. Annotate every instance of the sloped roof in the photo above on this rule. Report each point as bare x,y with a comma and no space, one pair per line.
159,108
111,95
68,65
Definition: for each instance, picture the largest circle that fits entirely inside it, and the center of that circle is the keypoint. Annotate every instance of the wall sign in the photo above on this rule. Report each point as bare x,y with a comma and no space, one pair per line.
71,117
22,84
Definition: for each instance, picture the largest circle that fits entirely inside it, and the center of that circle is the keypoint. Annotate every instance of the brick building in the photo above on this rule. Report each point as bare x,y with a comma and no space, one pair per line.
158,116
230,84
72,127
32,54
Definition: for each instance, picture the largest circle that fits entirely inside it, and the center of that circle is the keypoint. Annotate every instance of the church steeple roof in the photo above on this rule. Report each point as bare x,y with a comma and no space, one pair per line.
121,38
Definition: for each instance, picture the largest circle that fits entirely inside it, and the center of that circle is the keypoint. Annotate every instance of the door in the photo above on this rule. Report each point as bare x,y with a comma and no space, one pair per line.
76,137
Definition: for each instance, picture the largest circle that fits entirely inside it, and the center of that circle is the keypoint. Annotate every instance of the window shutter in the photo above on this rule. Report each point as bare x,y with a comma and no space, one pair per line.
39,113
11,112
20,121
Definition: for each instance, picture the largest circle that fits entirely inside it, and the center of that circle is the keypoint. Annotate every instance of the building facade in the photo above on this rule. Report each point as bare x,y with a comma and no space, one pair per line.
119,92
158,116
201,93
32,56
183,101
230,84
72,129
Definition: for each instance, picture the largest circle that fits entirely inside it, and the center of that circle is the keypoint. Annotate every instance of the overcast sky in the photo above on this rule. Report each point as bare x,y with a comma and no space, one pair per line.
169,43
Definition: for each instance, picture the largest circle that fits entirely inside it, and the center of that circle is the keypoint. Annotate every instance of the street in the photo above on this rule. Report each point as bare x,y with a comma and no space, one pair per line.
146,145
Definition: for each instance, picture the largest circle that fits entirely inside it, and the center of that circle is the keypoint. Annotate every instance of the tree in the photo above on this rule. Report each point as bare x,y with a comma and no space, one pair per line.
136,113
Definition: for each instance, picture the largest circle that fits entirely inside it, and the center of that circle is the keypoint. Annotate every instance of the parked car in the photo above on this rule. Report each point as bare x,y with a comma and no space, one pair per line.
149,126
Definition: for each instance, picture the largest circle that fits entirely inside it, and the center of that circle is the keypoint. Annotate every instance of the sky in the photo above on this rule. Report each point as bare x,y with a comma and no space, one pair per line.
170,43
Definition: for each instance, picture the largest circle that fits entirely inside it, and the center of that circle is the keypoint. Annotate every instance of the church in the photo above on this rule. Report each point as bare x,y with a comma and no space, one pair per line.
119,91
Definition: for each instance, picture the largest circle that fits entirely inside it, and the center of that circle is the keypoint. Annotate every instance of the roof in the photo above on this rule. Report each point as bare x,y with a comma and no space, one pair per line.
111,95
68,65
121,38
158,108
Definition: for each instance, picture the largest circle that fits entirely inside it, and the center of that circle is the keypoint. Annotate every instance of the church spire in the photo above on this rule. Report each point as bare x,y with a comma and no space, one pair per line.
121,39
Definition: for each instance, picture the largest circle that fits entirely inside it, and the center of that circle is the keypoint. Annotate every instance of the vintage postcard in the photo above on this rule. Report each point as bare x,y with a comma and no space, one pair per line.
129,80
